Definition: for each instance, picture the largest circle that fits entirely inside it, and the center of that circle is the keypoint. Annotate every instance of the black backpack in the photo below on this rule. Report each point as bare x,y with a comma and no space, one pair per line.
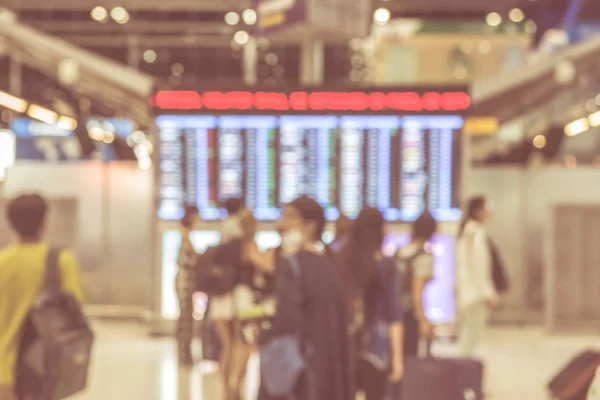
499,275
56,345
217,268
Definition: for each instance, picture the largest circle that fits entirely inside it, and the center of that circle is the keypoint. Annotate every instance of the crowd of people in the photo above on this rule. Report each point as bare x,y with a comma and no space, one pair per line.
357,315
328,320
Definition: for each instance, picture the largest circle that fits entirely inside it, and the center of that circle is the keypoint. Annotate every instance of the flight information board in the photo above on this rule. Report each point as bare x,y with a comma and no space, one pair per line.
398,164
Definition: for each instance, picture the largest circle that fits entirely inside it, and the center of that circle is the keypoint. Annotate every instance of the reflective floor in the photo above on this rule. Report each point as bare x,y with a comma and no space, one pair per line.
130,365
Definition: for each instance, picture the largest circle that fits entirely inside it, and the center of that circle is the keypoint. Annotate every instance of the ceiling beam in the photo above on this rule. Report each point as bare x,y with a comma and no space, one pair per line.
134,5
134,27
453,6
424,6
90,41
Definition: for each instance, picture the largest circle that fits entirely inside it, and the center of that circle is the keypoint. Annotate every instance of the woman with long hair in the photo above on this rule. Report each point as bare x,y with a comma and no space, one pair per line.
313,303
185,287
343,225
372,287
475,288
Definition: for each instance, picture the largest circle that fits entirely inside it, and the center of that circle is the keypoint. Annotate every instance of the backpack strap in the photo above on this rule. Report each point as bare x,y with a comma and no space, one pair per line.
51,274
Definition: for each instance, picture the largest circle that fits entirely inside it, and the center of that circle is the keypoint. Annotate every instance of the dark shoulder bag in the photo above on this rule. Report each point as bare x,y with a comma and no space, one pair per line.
499,275
57,341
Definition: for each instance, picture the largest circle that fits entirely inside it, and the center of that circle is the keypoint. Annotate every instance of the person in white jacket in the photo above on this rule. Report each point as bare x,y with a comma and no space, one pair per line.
475,289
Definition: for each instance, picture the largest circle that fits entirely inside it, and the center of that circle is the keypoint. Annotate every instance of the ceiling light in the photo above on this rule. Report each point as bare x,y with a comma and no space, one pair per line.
539,142
99,14
177,69
382,16
493,19
108,137
67,123
249,16
42,114
232,18
565,72
576,127
484,47
119,15
516,15
530,27
12,102
461,72
96,132
150,56
594,119
271,59
241,38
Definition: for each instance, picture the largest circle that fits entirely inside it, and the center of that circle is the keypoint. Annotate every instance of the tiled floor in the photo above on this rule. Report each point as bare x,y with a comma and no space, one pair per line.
129,365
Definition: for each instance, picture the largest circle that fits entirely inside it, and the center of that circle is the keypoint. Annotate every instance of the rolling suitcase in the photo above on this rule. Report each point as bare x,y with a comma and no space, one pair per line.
431,378
574,380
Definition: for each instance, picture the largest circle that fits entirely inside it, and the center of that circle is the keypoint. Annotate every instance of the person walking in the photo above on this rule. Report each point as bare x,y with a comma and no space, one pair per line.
475,288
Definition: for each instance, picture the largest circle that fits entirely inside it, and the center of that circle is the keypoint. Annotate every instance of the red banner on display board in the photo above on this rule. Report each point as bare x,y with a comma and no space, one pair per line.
318,101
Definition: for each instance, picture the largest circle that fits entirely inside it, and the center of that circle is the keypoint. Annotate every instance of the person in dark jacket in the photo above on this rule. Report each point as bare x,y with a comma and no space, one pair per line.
322,316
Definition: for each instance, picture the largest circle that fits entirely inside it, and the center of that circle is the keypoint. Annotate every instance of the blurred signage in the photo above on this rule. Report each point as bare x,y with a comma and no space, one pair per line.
39,141
274,15
350,18
313,101
481,126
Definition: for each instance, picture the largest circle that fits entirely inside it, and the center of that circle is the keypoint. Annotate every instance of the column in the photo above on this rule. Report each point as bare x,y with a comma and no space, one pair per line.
250,62
134,52
312,62
15,77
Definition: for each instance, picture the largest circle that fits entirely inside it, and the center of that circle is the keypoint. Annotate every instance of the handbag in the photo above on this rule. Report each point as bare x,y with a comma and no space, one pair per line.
282,359
376,346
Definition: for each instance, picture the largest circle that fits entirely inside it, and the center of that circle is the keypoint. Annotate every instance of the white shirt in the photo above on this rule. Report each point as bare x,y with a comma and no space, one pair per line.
474,282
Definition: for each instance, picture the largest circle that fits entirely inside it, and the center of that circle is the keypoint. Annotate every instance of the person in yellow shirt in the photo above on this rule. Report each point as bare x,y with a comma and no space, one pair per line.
22,267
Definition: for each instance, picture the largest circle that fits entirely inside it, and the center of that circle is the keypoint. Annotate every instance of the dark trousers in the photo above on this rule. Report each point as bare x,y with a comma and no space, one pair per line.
373,381
412,336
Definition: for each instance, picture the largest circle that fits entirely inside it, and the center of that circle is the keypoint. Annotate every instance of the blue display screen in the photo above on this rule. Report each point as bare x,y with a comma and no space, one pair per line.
39,141
398,164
